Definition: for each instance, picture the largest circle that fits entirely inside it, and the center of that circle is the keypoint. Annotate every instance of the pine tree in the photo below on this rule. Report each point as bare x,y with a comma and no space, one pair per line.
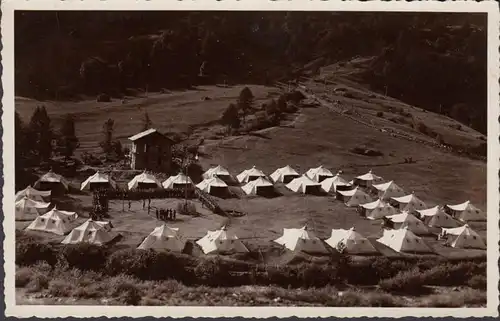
147,122
68,141
107,142
230,117
40,133
245,101
21,148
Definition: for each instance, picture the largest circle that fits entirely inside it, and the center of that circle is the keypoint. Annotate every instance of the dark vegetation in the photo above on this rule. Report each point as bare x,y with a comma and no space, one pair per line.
434,61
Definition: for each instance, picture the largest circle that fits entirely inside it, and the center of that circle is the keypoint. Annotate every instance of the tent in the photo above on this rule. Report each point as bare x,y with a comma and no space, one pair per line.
250,175
97,181
407,220
331,184
301,239
214,186
144,181
464,237
284,174
178,181
54,221
219,172
351,241
33,194
437,217
404,240
467,212
378,209
305,185
221,242
51,181
164,238
318,174
368,179
93,232
409,203
355,197
260,186
27,208
388,190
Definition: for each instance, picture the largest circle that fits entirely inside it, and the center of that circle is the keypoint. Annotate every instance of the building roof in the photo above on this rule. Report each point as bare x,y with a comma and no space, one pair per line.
147,133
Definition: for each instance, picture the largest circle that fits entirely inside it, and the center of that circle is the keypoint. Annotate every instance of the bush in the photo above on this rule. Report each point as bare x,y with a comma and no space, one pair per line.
212,272
30,252
316,275
103,98
23,276
188,208
408,282
125,289
37,283
478,282
92,291
60,288
380,114
84,256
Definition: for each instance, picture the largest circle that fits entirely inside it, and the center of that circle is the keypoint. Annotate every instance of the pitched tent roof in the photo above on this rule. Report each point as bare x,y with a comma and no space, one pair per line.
302,184
221,241
51,177
378,209
164,238
369,177
98,178
468,212
54,221
148,132
389,190
93,232
244,177
179,179
280,174
143,178
253,186
301,239
407,220
404,240
352,241
330,184
27,206
208,183
216,171
316,172
32,194
410,202
465,237
356,197
438,217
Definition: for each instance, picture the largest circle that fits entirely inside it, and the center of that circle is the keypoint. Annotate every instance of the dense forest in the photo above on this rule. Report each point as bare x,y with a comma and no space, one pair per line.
435,61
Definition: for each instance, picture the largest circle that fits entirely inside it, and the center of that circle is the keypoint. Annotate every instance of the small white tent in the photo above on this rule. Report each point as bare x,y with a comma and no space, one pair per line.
33,194
467,212
50,181
332,184
404,240
249,175
27,208
221,242
368,179
407,220
260,186
409,203
305,185
464,237
164,238
318,174
178,181
388,190
98,180
213,185
219,172
378,209
355,197
301,239
54,221
144,181
284,174
93,232
437,217
351,241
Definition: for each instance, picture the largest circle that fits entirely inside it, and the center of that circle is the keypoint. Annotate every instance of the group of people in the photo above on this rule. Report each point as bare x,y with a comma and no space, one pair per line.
168,214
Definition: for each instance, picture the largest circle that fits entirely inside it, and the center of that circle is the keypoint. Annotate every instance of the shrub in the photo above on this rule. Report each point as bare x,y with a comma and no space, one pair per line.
31,252
125,289
212,272
23,276
317,275
478,282
60,288
37,283
409,282
92,291
380,114
188,208
103,98
84,256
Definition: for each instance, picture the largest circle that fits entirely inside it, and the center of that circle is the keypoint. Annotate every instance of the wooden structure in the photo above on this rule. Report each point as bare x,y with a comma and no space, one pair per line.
151,151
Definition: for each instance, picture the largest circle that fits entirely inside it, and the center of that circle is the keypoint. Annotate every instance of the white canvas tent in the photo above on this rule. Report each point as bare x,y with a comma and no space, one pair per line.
467,212
33,194
404,240
51,180
331,184
368,179
55,221
388,190
378,209
249,175
305,185
409,203
407,220
260,186
221,242
213,185
351,241
178,181
301,239
164,238
27,208
355,197
219,172
144,180
284,174
318,174
98,180
464,237
437,217
93,232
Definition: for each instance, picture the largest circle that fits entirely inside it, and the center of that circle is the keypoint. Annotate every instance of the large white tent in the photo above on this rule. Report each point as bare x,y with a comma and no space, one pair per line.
284,174
301,239
305,185
437,217
368,179
318,174
355,197
98,180
249,175
55,221
332,184
178,181
51,180
164,238
28,208
404,240
33,194
464,237
351,241
222,242
260,186
213,185
467,212
378,209
388,190
409,203
93,232
218,171
407,220
144,181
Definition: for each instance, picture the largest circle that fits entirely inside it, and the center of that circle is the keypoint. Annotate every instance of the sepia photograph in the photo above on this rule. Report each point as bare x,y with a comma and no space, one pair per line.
194,158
